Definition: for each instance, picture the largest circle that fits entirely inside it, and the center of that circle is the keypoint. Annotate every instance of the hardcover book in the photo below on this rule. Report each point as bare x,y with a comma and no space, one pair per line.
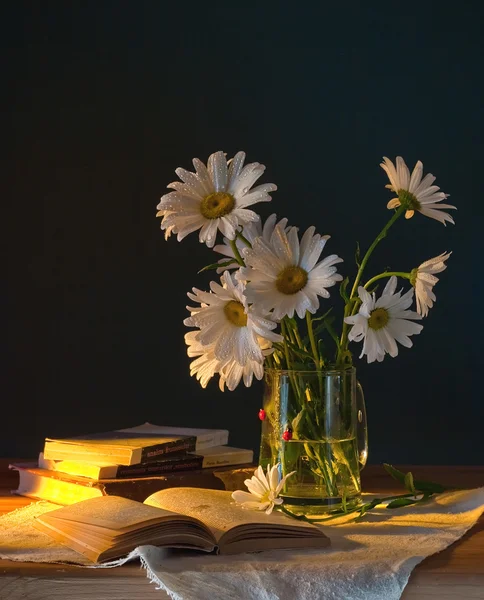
61,488
206,438
210,457
109,527
134,445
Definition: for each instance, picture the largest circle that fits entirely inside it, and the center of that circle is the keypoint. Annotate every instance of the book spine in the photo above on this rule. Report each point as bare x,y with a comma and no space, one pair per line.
151,453
186,463
223,460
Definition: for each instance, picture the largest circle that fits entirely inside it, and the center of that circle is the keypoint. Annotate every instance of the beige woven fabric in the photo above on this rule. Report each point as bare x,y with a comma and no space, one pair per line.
369,560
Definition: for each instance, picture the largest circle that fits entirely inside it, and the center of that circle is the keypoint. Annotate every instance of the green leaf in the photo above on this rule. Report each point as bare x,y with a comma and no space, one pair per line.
327,322
300,366
323,326
409,482
322,317
342,289
277,359
299,351
395,473
401,502
358,255
217,265
420,486
293,322
343,500
297,420
368,506
331,331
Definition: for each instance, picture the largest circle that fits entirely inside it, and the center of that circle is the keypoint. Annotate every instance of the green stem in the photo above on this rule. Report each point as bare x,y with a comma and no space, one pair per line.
236,252
398,213
339,514
295,387
243,239
286,348
290,331
312,339
332,333
294,331
298,338
386,274
344,335
357,301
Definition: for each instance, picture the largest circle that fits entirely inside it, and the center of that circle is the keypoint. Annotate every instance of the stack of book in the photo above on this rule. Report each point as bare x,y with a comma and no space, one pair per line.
132,463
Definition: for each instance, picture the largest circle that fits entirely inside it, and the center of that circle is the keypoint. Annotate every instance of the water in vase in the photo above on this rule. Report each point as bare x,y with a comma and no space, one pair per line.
327,472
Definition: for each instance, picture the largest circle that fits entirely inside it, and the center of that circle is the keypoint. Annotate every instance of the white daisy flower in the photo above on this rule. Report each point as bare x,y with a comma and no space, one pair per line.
232,373
423,280
206,365
251,232
213,198
415,193
282,274
384,322
227,323
170,229
264,490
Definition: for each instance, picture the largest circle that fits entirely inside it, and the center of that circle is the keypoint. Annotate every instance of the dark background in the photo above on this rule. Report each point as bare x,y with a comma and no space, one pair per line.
103,100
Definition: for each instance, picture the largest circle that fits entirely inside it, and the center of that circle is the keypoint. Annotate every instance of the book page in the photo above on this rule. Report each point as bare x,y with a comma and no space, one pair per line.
110,512
149,428
218,511
118,439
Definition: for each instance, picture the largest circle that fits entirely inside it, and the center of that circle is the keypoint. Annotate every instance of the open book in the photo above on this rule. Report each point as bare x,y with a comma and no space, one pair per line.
109,526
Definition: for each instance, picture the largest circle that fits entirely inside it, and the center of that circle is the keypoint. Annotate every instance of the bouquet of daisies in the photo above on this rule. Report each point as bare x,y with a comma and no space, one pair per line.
262,311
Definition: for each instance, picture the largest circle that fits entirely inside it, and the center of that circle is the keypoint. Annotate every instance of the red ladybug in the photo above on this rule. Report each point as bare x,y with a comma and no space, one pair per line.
287,435
262,414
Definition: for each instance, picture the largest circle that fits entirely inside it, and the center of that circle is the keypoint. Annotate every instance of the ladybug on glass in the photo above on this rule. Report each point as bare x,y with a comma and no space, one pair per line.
287,435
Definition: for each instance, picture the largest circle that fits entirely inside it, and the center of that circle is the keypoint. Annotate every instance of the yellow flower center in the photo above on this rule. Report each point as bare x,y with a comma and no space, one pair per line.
291,280
235,313
409,200
378,318
217,205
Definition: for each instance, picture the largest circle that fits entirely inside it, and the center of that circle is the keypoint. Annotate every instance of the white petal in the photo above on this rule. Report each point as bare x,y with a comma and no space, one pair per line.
438,215
293,240
282,247
403,173
394,203
390,170
191,180
235,168
282,482
217,169
240,185
241,497
270,508
426,182
274,477
203,176
416,177
390,287
364,295
312,252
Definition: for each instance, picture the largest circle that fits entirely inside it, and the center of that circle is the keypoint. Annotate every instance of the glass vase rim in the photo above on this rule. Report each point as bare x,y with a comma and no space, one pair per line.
325,371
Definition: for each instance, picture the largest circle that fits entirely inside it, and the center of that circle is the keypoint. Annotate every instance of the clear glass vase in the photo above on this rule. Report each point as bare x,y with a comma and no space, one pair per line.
314,423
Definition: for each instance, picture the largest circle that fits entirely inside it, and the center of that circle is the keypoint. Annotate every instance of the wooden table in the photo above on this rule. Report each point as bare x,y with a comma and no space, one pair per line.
457,572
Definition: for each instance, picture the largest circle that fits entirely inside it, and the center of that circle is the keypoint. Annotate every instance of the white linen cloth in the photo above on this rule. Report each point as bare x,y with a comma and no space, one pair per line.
368,560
